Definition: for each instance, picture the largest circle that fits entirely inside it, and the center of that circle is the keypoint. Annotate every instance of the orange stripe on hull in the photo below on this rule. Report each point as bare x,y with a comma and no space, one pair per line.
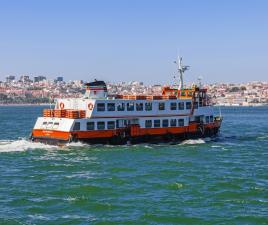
63,135
135,131
94,134
215,124
53,134
160,131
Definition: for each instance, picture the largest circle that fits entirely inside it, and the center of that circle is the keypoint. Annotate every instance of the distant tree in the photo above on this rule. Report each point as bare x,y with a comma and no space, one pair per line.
3,97
243,88
234,89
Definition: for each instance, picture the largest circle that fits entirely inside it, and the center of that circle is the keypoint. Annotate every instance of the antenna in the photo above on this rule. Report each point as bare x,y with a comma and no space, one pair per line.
199,79
181,69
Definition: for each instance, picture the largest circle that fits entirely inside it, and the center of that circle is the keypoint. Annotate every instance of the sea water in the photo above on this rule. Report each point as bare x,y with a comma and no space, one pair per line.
205,181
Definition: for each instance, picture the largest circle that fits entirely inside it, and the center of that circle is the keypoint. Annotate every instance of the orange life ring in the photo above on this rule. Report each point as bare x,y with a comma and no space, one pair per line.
61,105
90,106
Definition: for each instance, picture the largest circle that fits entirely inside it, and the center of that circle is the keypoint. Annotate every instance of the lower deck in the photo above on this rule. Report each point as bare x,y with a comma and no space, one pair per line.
132,133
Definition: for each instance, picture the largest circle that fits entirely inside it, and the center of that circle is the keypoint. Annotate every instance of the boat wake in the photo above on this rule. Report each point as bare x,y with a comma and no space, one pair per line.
22,145
76,144
193,142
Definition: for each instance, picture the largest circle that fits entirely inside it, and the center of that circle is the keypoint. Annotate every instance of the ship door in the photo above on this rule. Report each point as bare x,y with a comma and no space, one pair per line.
199,119
121,123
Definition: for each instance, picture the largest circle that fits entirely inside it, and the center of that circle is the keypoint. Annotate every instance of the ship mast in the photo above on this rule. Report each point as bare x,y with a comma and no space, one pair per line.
181,69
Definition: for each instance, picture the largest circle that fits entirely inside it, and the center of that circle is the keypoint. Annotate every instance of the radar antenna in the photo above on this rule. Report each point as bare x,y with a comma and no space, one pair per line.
181,69
199,79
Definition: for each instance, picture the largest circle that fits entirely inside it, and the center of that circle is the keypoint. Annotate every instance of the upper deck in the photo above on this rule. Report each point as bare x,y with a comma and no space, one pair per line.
190,102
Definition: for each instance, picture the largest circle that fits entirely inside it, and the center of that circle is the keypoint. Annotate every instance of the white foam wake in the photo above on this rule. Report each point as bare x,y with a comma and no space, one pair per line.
22,145
193,142
76,144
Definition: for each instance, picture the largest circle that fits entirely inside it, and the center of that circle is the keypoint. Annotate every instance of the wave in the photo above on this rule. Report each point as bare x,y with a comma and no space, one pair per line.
22,145
193,142
76,144
263,137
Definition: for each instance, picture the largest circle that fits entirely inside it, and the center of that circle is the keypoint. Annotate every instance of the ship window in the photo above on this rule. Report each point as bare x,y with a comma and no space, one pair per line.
173,106
181,105
50,124
161,106
44,123
90,126
110,125
101,107
130,106
211,119
56,125
110,106
207,119
188,105
148,106
183,93
165,123
100,125
121,107
196,105
181,122
173,122
148,123
156,123
76,126
139,106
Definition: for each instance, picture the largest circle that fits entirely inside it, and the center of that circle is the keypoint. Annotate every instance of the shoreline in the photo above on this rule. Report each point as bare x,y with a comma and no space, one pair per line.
254,105
47,104
26,104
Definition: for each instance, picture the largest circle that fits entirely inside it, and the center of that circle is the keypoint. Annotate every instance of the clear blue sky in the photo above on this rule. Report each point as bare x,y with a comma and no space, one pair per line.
134,40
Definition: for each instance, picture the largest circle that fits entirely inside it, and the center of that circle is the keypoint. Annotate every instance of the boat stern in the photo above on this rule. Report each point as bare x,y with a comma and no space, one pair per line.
51,130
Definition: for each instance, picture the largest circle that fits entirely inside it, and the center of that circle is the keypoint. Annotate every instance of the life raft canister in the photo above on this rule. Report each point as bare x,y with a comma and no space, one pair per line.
90,106
61,105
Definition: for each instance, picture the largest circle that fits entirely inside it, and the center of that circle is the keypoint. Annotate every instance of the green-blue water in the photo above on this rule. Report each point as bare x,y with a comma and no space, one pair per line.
222,181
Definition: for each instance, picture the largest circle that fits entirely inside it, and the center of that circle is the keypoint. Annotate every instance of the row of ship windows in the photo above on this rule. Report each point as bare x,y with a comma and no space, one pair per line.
209,119
100,125
111,124
165,123
148,106
51,125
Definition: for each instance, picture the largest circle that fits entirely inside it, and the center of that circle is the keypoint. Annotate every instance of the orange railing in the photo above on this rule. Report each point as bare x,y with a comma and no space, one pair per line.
48,113
75,114
146,97
64,113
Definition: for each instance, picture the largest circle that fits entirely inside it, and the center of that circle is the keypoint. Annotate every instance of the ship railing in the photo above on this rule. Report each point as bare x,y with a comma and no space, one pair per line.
144,97
64,113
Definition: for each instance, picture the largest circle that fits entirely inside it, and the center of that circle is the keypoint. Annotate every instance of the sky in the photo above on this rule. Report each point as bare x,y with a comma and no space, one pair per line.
123,40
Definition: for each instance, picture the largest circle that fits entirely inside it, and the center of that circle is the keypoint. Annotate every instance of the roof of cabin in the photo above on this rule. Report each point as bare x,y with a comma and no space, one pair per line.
96,83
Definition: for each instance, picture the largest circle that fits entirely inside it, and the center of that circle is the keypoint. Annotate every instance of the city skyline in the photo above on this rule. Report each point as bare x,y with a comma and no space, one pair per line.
40,90
124,41
173,82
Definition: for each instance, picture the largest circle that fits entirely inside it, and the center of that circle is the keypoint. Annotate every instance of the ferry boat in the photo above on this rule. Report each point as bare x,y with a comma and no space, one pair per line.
177,114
